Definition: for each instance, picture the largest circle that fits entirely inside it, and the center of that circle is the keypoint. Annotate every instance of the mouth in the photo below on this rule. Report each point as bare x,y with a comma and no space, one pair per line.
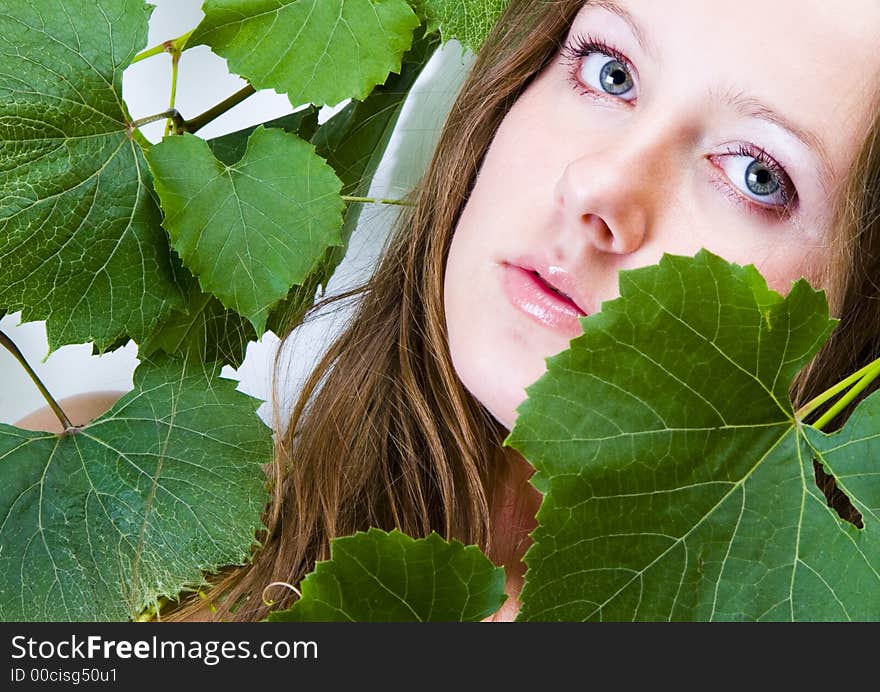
540,301
562,296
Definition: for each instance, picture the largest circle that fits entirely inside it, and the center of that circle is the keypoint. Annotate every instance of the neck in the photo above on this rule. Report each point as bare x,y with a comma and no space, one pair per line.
515,505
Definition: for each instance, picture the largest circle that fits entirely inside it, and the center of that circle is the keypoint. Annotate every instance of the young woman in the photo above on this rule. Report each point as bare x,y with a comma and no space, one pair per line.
589,138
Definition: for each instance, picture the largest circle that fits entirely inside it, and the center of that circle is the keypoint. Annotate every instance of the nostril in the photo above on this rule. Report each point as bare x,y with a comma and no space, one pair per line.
601,232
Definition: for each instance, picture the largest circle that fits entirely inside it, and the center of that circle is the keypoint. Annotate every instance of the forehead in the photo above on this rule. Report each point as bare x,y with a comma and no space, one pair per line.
777,26
809,60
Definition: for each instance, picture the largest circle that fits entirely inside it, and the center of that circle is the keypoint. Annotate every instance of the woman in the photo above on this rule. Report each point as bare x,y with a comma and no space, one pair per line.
588,139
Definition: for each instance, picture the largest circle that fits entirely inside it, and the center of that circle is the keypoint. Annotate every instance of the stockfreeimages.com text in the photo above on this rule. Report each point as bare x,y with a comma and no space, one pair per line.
209,652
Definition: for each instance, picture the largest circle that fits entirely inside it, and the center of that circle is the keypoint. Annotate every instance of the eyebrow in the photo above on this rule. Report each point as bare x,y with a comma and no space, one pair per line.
641,37
744,105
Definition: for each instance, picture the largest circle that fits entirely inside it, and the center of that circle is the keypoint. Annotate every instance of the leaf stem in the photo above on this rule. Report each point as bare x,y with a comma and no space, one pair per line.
19,356
180,125
171,46
373,200
149,53
175,61
172,113
211,114
829,394
871,373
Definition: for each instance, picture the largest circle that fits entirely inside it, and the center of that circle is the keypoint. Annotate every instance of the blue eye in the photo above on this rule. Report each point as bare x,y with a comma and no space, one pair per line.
761,180
604,73
597,68
758,177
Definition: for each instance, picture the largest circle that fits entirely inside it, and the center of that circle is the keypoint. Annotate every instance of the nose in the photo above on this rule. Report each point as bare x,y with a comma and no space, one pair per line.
610,196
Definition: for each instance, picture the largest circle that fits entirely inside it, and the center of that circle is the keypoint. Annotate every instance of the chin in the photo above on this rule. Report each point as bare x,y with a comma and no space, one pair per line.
503,408
505,418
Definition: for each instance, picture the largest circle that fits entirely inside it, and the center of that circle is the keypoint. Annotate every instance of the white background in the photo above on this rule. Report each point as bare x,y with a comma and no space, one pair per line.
204,81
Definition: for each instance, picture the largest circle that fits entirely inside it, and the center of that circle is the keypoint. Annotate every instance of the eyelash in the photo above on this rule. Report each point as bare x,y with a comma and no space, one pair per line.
786,187
584,45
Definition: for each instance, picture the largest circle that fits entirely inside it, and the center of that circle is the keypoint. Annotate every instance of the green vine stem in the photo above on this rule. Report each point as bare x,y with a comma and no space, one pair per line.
872,372
180,125
374,200
829,394
172,114
212,114
175,61
19,356
175,45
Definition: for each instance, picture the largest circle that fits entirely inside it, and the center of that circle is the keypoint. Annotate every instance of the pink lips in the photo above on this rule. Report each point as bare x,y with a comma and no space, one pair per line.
526,291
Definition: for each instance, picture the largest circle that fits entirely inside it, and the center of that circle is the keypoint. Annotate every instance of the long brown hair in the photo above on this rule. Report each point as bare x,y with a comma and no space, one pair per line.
383,433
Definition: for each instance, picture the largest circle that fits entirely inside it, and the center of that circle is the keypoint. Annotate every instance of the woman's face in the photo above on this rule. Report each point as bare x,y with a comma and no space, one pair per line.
661,127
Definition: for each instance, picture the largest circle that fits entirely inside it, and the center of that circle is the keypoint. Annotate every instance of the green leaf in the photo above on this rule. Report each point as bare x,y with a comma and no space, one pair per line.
468,21
839,565
290,311
208,332
678,483
98,524
81,244
315,51
376,576
252,230
205,330
354,141
230,148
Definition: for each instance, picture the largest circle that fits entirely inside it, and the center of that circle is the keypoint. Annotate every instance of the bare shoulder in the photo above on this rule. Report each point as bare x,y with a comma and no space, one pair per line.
80,408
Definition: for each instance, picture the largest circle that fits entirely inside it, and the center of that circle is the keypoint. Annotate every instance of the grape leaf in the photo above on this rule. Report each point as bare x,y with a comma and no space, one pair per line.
678,483
205,330
468,21
375,576
96,525
252,230
315,51
354,141
229,148
839,568
81,243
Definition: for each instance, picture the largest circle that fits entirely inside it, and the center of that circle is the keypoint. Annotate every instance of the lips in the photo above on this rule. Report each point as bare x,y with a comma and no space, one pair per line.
529,292
564,296
558,277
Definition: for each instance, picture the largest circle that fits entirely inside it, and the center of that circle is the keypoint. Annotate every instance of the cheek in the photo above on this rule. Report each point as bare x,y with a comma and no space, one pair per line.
470,341
783,252
495,351
783,268
452,300
462,287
